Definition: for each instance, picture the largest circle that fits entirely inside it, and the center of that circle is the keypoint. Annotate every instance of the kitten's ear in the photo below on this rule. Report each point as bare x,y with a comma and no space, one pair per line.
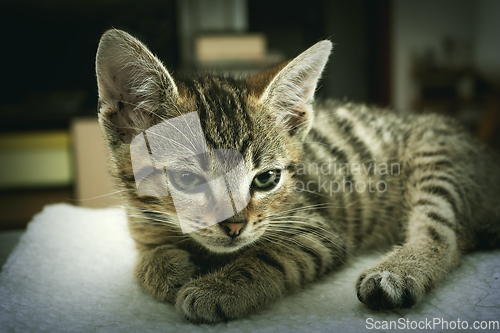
133,86
290,88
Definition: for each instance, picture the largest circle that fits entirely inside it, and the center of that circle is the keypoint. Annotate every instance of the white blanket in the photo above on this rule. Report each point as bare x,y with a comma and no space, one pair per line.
72,272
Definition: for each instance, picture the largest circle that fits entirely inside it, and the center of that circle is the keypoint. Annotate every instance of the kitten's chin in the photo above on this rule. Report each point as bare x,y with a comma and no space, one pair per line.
231,246
223,249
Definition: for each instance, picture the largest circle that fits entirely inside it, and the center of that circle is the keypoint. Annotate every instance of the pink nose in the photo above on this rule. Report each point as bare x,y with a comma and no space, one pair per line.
233,229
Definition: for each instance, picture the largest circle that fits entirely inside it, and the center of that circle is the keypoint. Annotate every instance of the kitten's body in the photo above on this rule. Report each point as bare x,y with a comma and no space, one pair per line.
436,198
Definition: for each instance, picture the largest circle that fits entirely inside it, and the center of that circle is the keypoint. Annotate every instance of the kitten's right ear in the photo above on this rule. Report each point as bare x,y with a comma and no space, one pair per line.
288,90
133,86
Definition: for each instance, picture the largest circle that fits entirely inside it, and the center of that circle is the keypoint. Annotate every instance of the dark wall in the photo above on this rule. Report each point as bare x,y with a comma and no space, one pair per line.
49,48
358,69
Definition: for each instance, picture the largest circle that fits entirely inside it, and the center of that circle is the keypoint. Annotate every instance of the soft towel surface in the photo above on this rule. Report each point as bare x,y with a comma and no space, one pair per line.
72,272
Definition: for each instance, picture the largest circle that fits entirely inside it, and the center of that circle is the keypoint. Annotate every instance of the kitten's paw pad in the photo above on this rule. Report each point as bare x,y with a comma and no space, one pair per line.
383,289
202,302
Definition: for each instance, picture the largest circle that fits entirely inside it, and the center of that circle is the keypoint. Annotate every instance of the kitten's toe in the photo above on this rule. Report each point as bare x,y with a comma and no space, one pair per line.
386,290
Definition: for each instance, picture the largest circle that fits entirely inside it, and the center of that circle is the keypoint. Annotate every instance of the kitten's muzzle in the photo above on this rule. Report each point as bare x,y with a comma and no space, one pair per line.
233,226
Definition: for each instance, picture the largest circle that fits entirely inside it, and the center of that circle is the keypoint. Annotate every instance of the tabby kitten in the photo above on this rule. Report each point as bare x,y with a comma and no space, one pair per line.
320,191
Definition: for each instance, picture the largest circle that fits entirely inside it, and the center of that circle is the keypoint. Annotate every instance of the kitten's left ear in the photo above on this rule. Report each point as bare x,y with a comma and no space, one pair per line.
290,93
134,86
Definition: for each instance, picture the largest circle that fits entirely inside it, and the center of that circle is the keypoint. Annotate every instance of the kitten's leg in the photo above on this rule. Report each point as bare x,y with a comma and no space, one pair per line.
163,270
430,250
258,277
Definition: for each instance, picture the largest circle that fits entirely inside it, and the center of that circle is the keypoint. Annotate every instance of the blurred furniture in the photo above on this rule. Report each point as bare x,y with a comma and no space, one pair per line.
214,35
489,124
202,16
35,170
462,94
445,81
93,184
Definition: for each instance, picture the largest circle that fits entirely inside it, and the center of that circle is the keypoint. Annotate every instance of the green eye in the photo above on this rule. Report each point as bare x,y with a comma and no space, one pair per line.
186,180
266,180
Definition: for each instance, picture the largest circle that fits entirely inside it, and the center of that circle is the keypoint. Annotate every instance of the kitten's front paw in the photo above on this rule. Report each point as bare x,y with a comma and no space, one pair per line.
163,271
386,289
211,300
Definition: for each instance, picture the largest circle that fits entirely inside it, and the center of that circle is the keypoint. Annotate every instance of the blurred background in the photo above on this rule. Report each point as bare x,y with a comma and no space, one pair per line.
422,55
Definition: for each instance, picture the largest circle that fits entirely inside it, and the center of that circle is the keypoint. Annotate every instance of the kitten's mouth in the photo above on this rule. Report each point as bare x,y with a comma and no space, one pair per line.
225,244
232,242
227,236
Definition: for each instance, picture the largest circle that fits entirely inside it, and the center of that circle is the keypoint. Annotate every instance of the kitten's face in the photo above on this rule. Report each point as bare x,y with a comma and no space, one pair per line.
262,117
233,119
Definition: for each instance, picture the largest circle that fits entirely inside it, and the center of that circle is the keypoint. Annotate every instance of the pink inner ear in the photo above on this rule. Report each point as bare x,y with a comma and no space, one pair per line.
296,121
125,121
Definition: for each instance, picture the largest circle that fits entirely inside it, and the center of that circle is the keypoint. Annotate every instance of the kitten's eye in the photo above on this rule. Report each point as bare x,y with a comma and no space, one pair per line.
185,180
267,180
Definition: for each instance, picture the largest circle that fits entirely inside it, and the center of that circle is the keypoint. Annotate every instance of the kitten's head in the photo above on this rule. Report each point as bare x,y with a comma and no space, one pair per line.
261,119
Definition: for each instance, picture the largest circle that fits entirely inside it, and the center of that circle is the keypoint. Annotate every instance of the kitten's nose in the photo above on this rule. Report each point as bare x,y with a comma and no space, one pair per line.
233,226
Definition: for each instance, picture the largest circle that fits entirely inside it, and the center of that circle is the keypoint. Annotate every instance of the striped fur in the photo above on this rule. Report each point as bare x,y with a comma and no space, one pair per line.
437,196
